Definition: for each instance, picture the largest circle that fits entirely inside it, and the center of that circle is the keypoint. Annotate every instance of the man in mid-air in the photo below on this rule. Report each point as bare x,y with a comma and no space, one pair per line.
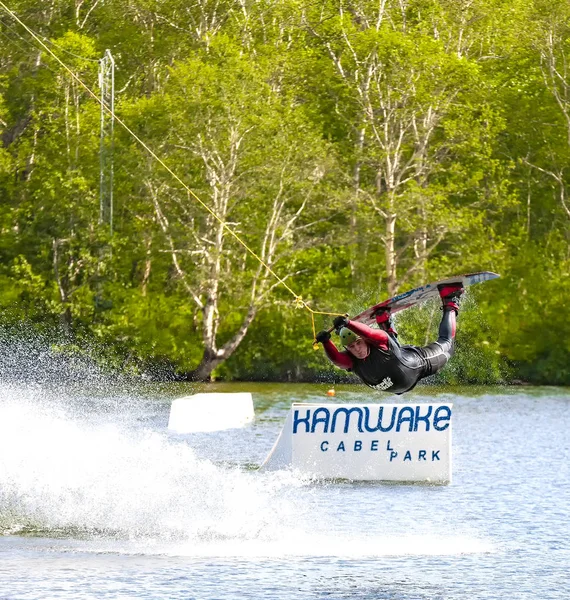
376,356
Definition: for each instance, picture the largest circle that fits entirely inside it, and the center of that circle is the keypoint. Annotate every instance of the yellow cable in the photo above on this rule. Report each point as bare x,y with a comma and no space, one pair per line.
298,299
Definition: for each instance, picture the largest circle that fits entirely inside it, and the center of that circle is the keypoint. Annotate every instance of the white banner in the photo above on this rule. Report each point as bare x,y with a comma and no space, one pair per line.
372,442
212,411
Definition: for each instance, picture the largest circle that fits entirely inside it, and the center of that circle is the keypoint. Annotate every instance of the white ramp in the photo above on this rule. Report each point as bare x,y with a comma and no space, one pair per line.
366,442
211,412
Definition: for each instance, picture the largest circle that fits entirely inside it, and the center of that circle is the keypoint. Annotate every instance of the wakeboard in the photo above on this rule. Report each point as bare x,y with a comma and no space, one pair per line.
420,294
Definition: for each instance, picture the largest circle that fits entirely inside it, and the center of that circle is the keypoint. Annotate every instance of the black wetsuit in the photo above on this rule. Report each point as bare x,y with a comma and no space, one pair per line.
399,369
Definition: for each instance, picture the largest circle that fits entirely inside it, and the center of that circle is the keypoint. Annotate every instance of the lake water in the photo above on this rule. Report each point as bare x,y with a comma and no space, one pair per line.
98,500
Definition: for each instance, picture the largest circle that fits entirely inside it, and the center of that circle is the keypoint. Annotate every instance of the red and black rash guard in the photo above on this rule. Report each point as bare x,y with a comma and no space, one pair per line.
390,367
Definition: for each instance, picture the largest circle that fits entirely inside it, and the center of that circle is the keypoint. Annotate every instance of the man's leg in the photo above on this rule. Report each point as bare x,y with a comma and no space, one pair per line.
438,353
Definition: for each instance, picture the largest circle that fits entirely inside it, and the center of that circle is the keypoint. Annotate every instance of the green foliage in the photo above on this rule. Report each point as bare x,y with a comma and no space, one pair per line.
309,129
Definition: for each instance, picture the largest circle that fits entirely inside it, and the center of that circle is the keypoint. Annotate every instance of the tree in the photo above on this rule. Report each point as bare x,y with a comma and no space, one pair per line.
417,137
54,209
258,167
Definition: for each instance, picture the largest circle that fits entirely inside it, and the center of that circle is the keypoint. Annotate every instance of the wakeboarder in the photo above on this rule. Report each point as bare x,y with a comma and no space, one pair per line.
378,359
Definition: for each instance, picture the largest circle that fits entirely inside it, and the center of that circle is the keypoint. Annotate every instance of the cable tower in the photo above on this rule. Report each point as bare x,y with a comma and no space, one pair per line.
107,88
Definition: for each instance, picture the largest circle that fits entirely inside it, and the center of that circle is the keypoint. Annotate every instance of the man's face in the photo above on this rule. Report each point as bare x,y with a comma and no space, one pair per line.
359,348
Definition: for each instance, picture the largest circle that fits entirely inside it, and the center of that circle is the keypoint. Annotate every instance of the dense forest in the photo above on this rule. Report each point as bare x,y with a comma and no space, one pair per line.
358,147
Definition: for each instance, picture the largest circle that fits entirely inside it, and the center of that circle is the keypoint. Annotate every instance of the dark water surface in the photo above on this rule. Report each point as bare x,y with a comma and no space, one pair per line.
98,500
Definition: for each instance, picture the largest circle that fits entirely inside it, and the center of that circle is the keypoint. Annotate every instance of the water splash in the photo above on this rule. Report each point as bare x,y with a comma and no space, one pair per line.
138,490
69,477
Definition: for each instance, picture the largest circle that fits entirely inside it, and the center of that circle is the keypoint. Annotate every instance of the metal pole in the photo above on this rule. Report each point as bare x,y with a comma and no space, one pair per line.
102,142
112,134
107,142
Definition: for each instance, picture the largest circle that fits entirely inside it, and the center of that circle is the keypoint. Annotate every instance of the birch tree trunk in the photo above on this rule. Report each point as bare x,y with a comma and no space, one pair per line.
398,95
257,176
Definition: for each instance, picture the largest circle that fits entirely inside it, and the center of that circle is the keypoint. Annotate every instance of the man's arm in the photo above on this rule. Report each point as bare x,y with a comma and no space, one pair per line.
376,337
342,360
